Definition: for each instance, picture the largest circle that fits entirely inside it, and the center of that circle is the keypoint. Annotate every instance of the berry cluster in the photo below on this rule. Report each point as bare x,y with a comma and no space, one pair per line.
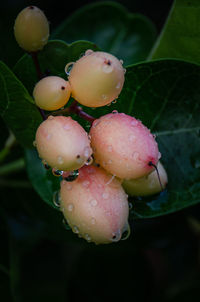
118,156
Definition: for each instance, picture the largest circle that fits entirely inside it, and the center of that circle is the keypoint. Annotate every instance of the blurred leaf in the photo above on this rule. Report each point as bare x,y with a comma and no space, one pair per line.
180,37
20,115
128,36
165,95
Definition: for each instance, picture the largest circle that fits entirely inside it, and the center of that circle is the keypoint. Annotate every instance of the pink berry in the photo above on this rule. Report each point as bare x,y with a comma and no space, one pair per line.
123,146
95,205
63,143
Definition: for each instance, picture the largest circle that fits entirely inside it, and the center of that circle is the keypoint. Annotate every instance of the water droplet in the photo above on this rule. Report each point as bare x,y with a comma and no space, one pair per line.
114,101
114,111
49,136
116,236
75,229
86,183
135,156
34,144
118,85
93,202
105,195
70,207
121,61
134,123
108,104
93,220
67,127
46,166
67,185
72,175
89,137
132,138
88,52
159,155
56,199
65,224
50,117
107,67
154,136
130,205
79,159
57,172
110,148
87,152
89,161
87,237
126,232
124,70
60,160
68,68
104,97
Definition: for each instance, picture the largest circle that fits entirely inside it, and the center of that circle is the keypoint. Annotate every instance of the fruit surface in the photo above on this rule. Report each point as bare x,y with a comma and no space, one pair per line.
123,146
63,143
96,79
95,205
31,29
147,185
51,93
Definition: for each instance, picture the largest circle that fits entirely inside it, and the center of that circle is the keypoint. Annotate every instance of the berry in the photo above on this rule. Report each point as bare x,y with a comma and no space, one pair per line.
96,79
51,93
147,185
31,29
123,146
63,143
95,205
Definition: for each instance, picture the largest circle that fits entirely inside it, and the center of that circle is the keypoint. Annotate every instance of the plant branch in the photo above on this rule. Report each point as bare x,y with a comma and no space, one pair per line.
11,140
12,167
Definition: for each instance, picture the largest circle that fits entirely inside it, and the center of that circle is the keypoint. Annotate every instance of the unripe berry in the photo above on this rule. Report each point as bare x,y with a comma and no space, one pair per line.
147,185
96,79
123,145
63,143
51,93
31,29
95,205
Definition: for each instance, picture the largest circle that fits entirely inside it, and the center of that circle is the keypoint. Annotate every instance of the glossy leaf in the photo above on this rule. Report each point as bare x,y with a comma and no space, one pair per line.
180,37
16,108
128,36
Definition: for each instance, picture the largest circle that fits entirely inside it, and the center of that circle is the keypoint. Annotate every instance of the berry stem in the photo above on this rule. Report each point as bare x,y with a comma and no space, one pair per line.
151,164
74,108
34,56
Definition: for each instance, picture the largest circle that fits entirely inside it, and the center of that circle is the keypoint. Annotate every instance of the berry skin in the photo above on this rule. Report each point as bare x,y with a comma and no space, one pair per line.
31,29
95,205
147,185
63,143
51,93
123,146
96,79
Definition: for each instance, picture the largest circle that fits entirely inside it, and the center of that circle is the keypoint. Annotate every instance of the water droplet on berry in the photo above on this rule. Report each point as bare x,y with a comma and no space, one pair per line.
75,229
65,224
107,67
89,161
132,138
57,172
72,175
34,144
121,61
130,205
104,97
67,185
114,101
46,166
87,152
116,236
154,136
105,195
159,155
56,199
88,52
134,123
60,160
124,70
68,68
50,117
86,183
114,111
49,136
135,156
126,232
70,207
67,127
93,202
87,237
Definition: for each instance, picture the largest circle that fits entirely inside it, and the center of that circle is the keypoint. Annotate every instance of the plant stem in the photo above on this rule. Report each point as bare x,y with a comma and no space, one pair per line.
14,166
11,140
12,183
74,108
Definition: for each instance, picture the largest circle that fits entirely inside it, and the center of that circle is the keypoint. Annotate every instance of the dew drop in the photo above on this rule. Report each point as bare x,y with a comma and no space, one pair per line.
107,67
93,202
67,127
118,85
87,237
65,224
68,68
57,172
136,156
130,205
132,138
154,136
75,229
126,232
124,70
105,195
70,207
79,159
34,144
134,123
60,160
89,161
114,111
114,101
49,136
87,152
104,97
68,185
109,104
50,117
72,175
116,236
86,183
46,166
88,52
159,155
121,61
56,199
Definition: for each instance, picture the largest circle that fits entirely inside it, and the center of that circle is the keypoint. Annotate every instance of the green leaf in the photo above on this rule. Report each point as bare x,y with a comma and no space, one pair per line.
52,59
165,95
128,36
16,107
43,181
180,37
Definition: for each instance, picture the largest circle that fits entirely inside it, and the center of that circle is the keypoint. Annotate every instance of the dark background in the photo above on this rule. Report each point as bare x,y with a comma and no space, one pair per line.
41,261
